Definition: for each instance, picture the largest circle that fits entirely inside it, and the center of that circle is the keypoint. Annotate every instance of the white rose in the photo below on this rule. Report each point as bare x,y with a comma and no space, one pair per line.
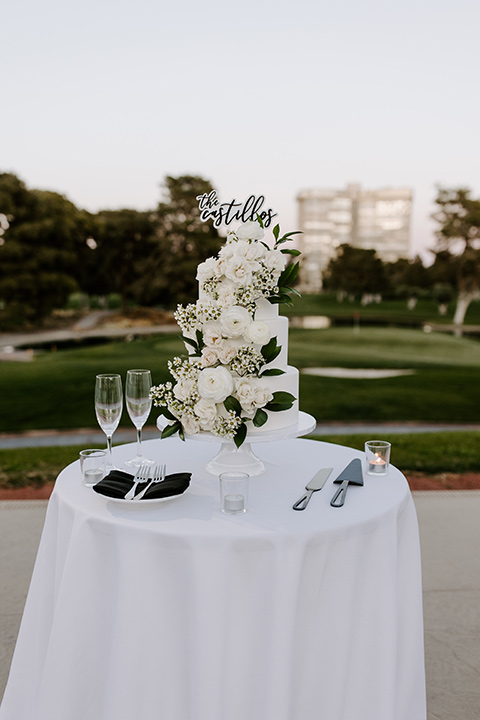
190,424
263,395
206,411
240,270
221,267
234,321
250,230
227,251
227,352
215,384
183,389
226,293
206,269
258,332
255,251
275,261
212,334
245,393
209,356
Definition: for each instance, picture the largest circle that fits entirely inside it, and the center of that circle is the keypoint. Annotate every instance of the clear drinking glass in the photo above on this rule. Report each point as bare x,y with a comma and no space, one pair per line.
139,404
108,408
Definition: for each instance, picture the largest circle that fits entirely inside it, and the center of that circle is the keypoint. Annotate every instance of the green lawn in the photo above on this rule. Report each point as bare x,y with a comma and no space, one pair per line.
388,311
56,390
429,453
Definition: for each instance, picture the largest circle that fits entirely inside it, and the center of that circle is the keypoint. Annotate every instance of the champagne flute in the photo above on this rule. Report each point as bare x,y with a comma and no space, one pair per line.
108,408
139,404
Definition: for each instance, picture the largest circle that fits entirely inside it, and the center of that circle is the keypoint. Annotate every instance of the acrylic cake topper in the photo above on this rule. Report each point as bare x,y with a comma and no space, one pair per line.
233,211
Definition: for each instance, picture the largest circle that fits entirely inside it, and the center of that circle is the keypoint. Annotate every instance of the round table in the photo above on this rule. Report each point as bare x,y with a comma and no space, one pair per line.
176,611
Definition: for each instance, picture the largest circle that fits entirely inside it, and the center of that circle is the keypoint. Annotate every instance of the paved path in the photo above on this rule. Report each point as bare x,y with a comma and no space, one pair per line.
450,538
93,437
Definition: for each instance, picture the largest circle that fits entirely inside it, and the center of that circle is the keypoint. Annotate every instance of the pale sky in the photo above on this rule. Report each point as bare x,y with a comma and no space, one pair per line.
103,98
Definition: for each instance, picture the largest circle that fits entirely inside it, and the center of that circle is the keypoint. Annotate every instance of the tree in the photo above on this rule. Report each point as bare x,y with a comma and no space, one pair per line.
181,242
357,272
459,234
116,260
39,251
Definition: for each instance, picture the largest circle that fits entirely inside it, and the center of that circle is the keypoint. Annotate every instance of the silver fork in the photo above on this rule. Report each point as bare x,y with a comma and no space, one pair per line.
140,476
158,476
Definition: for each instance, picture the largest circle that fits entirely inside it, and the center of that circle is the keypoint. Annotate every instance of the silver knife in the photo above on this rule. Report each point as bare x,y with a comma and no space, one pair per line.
316,483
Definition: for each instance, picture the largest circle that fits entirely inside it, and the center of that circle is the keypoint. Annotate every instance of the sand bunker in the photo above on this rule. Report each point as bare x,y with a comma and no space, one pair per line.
355,373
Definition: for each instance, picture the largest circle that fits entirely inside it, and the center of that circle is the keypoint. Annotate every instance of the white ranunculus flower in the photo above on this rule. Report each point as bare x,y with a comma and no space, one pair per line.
206,269
190,424
275,260
215,384
245,393
234,321
240,270
210,355
206,411
212,334
263,395
258,332
250,230
227,352
183,389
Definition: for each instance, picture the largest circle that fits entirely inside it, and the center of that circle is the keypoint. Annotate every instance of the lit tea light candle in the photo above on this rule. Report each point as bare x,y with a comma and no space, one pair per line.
234,503
377,465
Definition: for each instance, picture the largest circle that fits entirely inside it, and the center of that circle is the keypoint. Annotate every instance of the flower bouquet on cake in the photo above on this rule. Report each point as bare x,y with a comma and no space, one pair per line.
236,378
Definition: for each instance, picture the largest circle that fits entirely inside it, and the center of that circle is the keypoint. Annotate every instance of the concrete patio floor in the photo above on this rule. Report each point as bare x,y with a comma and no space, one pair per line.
449,524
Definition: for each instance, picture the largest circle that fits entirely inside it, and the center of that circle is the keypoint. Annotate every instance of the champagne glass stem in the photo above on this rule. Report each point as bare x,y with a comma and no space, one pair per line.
109,451
139,442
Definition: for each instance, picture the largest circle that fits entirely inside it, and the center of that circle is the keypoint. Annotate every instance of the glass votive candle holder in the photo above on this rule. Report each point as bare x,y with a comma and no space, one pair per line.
377,457
234,492
92,466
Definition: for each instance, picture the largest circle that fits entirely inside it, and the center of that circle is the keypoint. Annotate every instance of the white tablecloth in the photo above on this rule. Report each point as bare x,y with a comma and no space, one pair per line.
179,612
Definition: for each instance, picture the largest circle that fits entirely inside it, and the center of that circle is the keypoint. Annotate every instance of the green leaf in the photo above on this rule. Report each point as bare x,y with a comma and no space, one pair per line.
271,350
240,435
272,371
289,235
276,231
191,342
260,221
291,251
283,396
171,429
231,403
260,418
278,407
199,335
166,413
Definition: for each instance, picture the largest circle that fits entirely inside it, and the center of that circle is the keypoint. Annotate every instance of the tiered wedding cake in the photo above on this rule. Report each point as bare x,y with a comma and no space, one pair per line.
236,379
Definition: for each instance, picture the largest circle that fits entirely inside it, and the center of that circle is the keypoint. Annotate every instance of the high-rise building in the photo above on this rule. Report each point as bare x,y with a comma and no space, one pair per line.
370,219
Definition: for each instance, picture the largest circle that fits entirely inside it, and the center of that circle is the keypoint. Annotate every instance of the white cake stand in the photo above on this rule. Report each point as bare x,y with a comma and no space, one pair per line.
243,458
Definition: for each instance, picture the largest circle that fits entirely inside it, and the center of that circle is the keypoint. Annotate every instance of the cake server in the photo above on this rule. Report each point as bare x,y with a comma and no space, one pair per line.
316,483
352,475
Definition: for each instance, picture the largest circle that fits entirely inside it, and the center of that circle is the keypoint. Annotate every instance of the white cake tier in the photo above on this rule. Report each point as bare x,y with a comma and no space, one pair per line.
278,326
288,382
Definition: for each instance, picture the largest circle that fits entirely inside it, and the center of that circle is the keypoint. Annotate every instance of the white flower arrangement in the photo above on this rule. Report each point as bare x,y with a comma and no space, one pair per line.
219,388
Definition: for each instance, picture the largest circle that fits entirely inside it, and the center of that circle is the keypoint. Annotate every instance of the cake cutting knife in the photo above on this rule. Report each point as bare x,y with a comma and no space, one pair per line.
316,483
351,475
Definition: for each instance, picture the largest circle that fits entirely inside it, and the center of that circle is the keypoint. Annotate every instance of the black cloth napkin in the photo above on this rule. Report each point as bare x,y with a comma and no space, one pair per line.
117,484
